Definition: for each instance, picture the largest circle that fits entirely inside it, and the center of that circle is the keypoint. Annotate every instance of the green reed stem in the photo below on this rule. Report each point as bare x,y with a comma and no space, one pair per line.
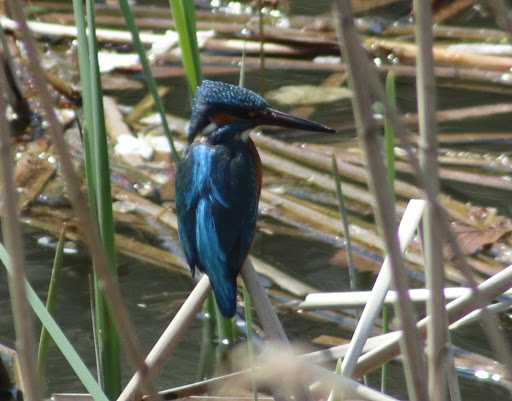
51,301
183,13
353,274
99,190
148,75
58,337
389,132
207,356
225,329
389,139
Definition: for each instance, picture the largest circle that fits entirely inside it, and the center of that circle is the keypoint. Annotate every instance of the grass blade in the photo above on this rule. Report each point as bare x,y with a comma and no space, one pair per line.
389,140
150,80
353,274
389,132
44,339
98,176
183,13
109,340
225,332
59,338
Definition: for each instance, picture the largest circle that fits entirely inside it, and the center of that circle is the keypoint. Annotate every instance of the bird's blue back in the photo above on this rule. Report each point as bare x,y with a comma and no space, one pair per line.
217,193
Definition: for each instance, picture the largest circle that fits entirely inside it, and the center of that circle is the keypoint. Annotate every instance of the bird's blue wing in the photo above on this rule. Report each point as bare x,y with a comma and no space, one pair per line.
187,197
219,216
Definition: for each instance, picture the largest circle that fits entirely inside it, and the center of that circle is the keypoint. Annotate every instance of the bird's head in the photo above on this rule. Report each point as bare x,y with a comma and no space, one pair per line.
222,104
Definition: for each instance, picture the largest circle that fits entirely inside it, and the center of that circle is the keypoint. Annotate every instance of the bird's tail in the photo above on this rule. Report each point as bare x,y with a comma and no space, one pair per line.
225,294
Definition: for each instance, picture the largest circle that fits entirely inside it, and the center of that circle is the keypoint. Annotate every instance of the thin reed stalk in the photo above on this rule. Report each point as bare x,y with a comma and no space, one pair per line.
353,274
207,357
51,301
271,324
334,395
389,132
170,338
150,80
389,139
88,225
250,335
426,97
99,167
60,340
12,236
368,130
501,347
225,331
183,13
267,316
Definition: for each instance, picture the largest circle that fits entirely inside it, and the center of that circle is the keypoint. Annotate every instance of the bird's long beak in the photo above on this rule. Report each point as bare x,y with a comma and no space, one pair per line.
278,118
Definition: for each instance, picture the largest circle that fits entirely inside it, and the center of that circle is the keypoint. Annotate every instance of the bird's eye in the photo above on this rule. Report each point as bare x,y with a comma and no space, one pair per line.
252,114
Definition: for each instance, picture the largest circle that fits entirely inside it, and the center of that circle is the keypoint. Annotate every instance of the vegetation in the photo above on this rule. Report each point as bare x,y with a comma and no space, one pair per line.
100,171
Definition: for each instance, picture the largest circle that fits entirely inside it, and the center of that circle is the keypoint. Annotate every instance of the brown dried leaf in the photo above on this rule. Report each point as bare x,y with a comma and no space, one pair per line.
472,240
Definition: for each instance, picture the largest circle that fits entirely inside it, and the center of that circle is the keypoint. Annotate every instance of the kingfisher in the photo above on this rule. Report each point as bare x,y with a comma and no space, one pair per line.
218,182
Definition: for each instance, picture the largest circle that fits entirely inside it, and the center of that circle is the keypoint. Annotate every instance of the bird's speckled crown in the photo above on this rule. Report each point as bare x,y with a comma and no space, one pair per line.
216,95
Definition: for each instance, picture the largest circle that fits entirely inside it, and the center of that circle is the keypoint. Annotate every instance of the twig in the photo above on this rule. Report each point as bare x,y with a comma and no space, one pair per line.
385,214
426,90
14,243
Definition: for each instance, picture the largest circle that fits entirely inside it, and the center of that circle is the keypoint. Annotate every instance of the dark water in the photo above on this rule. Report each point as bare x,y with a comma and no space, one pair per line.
153,295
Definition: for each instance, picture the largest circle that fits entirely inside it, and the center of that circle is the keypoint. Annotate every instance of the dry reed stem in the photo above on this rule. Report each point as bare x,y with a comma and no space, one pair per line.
170,338
90,229
330,354
14,244
316,357
490,325
457,309
280,368
406,230
368,132
426,97
271,325
354,299
270,322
